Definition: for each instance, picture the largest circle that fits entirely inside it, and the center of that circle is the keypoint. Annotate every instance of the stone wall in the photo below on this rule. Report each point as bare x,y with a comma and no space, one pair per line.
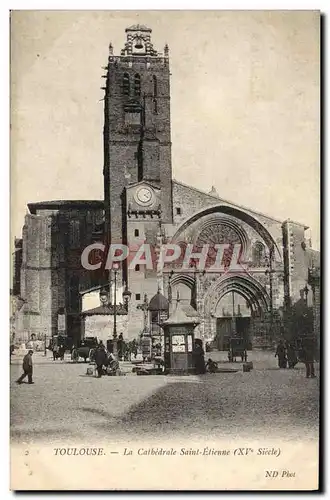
51,272
101,326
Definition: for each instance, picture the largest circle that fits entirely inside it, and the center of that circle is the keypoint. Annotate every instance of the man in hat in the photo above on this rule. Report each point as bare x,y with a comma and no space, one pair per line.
27,368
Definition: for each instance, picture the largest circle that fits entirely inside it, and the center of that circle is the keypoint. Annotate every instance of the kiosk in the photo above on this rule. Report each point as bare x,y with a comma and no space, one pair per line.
179,341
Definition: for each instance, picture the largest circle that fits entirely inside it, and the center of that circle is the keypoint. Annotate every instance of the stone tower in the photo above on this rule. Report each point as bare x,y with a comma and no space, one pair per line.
137,136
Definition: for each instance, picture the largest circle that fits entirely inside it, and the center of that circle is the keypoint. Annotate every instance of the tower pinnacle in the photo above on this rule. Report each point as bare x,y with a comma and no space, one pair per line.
138,41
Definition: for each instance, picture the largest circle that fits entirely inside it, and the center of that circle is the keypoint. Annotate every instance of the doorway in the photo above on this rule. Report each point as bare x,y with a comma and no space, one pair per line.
233,320
232,327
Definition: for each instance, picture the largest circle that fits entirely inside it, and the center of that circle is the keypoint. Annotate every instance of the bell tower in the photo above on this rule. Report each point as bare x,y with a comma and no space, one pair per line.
137,131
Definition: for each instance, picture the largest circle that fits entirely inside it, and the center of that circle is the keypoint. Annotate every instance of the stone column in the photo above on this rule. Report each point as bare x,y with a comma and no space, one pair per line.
314,282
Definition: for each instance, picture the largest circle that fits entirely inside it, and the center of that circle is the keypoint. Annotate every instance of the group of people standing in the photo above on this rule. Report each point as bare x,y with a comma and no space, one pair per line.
288,355
58,352
123,349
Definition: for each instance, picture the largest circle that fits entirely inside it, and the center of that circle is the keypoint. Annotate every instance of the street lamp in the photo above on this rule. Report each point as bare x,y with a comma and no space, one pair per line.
126,296
115,268
144,307
104,297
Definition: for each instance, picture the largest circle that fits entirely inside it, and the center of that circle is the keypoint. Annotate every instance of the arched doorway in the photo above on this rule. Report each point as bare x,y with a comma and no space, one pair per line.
235,305
183,285
233,319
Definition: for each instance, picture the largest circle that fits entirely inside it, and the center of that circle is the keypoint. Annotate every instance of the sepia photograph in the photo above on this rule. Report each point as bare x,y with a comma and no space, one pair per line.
165,250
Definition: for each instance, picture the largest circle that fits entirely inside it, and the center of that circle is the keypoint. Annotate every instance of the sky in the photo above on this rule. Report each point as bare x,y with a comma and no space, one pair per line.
245,111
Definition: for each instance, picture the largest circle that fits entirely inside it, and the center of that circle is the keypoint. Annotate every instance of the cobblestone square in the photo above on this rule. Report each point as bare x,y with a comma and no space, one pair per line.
67,405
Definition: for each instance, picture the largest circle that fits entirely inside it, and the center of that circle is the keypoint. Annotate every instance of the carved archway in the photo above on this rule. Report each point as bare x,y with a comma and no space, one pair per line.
234,212
221,230
183,279
247,286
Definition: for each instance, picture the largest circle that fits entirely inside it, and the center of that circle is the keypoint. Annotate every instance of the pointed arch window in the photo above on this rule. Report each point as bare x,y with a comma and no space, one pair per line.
137,85
126,84
258,254
154,81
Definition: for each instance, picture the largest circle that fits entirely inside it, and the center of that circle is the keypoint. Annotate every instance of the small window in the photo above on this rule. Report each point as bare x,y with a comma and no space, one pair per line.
74,234
137,296
126,85
136,232
137,267
155,107
137,85
178,210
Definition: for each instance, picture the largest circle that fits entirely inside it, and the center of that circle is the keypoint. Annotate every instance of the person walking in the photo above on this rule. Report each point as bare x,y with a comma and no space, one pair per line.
100,358
55,352
281,355
198,357
308,356
27,368
61,352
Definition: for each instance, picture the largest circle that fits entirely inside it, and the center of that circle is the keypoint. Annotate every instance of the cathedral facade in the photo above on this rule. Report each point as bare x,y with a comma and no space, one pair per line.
143,204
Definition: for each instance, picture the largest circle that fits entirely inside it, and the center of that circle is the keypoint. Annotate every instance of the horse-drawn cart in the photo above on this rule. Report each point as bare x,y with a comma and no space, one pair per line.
237,348
85,349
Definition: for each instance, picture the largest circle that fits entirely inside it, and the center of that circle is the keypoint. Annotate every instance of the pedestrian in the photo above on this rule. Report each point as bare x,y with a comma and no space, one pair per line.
198,355
100,358
211,366
291,355
113,364
120,344
55,352
127,351
308,356
281,355
27,368
134,348
61,352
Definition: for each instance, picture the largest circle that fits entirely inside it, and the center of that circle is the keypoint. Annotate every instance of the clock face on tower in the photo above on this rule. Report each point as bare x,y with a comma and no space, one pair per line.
144,196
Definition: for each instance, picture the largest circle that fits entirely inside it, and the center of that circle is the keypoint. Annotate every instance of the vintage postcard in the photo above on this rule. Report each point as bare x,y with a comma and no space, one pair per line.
165,297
